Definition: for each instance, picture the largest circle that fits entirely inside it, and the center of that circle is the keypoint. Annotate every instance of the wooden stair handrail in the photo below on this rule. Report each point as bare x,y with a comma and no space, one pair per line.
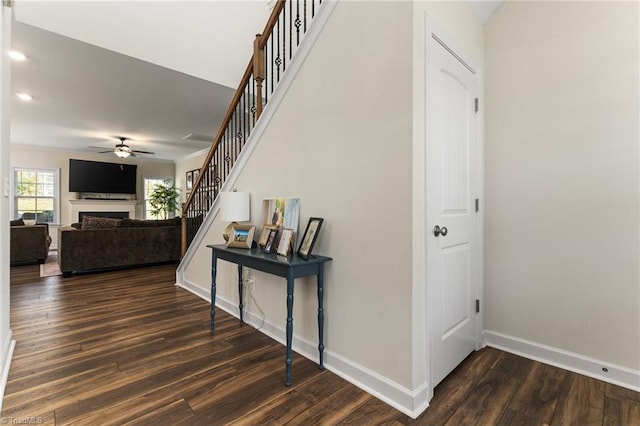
223,126
256,69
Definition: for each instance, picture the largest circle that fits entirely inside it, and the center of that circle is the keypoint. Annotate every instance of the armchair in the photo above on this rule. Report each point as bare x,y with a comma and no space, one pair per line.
29,243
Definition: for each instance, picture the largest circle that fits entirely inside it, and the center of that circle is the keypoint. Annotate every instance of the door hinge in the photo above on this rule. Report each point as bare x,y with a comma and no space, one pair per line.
477,105
477,205
477,306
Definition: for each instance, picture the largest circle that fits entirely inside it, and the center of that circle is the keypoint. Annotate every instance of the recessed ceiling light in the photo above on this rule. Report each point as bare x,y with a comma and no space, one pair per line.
16,55
24,96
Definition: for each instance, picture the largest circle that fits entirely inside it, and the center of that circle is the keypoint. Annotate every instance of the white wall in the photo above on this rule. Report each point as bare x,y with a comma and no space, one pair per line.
183,166
6,341
37,157
562,177
341,142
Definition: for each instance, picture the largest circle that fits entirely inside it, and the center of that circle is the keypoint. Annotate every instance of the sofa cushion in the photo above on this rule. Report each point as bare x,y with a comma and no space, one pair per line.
135,223
17,222
91,222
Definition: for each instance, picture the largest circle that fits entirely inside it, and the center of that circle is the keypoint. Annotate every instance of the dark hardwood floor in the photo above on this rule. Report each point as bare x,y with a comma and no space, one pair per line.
128,347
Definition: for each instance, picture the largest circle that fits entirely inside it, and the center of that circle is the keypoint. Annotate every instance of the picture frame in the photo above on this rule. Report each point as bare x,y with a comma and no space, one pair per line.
286,239
309,237
272,243
241,236
264,235
189,180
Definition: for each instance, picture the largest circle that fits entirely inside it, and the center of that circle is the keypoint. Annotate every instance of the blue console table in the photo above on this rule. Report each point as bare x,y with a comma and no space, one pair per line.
290,267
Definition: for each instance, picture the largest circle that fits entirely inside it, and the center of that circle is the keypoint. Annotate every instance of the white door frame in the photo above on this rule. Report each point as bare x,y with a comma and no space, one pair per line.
421,348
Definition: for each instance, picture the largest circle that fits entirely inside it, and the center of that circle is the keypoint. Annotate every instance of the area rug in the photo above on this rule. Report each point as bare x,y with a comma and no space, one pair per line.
50,268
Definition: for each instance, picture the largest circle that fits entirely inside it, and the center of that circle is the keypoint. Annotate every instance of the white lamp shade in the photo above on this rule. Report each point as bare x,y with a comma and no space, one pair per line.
235,206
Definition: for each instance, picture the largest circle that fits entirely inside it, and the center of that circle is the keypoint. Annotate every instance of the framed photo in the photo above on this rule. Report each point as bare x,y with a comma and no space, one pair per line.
195,174
189,181
286,239
241,236
264,235
271,244
309,237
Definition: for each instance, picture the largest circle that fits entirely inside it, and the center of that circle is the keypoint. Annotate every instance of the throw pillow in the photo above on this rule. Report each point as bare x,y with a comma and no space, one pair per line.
90,222
17,222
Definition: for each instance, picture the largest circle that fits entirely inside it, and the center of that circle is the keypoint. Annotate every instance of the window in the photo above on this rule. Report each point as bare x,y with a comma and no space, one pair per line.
37,195
149,186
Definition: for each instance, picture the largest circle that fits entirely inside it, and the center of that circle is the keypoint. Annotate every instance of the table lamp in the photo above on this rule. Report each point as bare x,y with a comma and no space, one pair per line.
235,207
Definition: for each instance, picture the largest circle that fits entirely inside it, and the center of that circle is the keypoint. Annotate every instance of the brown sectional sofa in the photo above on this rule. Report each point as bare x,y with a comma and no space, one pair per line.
116,243
29,243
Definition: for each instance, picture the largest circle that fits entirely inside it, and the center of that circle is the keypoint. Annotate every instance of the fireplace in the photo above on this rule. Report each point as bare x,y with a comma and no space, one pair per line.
113,215
103,208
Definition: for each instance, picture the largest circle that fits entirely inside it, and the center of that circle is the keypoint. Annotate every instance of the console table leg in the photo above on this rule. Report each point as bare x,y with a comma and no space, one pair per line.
289,327
240,291
321,316
214,262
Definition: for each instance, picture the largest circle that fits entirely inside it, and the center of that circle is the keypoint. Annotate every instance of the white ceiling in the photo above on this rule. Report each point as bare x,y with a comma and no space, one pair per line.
153,71
484,9
86,95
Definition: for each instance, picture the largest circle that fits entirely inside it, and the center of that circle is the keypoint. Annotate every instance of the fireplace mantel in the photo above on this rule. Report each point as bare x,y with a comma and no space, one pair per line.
85,205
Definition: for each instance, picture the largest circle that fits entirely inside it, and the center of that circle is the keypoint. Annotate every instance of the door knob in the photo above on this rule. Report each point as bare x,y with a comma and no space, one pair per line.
437,231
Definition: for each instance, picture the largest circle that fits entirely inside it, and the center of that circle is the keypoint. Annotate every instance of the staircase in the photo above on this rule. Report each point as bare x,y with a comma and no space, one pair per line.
273,50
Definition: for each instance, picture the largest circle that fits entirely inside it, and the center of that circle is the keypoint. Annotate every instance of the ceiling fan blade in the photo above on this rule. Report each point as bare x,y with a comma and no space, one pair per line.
143,152
103,150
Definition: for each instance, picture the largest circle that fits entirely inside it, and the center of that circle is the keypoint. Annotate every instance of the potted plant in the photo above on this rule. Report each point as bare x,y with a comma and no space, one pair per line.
164,199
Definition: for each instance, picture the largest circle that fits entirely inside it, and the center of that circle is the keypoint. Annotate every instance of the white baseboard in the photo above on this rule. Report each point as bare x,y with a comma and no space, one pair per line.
193,288
571,361
411,403
7,354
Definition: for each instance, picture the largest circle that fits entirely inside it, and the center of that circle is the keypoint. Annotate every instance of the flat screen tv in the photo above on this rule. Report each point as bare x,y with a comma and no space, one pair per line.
96,176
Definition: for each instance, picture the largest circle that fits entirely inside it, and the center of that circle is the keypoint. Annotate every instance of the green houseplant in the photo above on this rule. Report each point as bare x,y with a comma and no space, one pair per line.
164,199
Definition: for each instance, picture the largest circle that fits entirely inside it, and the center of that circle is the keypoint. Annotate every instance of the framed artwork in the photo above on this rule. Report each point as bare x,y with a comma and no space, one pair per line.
195,174
271,243
309,237
241,236
189,180
283,213
264,235
286,239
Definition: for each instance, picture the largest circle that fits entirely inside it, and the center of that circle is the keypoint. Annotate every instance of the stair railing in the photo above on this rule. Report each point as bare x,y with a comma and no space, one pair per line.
272,52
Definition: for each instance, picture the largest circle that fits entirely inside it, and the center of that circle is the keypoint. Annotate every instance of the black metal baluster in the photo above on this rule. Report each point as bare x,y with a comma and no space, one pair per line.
298,22
278,59
284,38
272,61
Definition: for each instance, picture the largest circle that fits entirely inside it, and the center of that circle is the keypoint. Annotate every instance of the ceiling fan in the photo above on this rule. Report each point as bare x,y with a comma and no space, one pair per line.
122,150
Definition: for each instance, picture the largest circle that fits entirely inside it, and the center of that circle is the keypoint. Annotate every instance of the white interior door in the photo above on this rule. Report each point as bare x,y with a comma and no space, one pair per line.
451,191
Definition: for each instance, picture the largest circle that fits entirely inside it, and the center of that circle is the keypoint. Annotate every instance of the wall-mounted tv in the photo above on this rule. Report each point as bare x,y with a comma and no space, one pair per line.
99,177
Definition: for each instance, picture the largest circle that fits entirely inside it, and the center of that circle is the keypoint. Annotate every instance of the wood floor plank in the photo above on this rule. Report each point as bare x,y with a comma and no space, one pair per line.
487,401
277,411
129,347
581,401
373,412
452,391
333,409
513,418
536,398
621,412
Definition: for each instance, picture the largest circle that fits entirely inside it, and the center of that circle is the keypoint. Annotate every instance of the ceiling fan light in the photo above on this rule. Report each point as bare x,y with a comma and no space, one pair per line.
122,151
